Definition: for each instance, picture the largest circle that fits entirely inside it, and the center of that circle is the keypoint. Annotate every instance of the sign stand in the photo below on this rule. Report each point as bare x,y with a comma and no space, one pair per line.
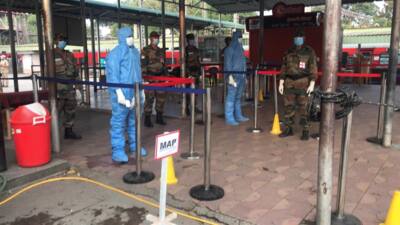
167,144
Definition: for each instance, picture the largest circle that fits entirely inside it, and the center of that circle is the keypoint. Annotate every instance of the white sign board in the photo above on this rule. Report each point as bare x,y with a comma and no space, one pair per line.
167,144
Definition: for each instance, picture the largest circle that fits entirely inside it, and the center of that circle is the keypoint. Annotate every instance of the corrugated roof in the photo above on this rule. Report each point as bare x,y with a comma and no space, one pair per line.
367,36
234,6
109,12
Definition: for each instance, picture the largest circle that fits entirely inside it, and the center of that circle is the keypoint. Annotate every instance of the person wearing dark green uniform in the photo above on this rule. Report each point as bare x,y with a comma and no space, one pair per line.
297,81
193,66
153,65
66,68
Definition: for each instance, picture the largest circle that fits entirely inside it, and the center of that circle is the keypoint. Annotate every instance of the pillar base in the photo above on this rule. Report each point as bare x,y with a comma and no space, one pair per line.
189,156
375,140
346,220
213,193
135,178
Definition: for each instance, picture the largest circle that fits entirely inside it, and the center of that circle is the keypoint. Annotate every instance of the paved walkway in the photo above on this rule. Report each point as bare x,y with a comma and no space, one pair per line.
76,203
267,180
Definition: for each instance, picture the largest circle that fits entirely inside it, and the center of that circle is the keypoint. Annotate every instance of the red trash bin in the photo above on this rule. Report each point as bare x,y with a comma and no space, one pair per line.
31,130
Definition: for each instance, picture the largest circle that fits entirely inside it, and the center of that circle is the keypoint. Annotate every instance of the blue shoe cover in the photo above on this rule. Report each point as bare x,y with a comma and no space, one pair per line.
231,122
143,151
242,119
119,157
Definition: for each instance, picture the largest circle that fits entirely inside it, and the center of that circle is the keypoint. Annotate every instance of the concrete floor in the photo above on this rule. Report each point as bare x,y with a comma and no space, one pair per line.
267,180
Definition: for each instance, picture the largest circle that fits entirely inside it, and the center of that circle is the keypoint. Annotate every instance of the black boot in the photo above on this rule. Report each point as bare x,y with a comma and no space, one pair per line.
160,119
188,112
147,121
287,132
70,134
305,136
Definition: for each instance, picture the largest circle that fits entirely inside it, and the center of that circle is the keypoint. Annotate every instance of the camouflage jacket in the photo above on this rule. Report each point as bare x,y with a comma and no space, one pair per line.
66,67
299,63
192,56
152,60
65,63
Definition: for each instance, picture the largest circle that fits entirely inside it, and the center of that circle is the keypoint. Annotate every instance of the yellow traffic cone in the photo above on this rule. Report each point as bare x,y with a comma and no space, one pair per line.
260,96
276,127
393,216
171,178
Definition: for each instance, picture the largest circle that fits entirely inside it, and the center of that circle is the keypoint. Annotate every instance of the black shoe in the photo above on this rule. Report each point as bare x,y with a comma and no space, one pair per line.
287,132
70,134
305,136
188,112
147,121
160,119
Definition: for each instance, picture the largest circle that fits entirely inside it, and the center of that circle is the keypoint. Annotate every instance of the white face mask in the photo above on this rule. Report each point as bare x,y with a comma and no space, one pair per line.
155,41
192,42
240,40
129,41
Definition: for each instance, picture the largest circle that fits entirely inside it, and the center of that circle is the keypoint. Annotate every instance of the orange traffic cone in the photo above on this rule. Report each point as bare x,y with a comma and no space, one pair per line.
171,178
276,127
393,216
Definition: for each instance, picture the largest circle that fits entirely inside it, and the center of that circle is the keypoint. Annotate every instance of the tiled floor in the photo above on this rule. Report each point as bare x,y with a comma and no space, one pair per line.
267,180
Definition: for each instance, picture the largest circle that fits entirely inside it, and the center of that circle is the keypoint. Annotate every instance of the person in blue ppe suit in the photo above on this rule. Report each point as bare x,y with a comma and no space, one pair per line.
235,61
123,66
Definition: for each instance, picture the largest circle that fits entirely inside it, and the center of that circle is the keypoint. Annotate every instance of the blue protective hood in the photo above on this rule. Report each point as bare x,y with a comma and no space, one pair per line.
235,38
123,33
234,59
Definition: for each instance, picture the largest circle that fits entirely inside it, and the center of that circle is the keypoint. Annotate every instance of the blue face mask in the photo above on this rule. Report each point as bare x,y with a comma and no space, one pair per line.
62,44
298,41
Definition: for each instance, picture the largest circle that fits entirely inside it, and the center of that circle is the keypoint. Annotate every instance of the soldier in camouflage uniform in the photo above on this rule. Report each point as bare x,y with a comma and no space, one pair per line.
153,65
66,68
192,64
297,80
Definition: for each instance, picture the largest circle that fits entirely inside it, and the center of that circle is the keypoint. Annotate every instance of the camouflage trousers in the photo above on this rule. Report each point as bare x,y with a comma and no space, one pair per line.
296,99
159,96
67,106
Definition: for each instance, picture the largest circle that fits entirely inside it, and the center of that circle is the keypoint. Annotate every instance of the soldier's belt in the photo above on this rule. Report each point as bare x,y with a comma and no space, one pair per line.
297,76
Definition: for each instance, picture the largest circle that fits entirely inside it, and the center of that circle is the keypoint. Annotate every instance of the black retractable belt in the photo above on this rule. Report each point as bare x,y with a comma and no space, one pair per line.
345,99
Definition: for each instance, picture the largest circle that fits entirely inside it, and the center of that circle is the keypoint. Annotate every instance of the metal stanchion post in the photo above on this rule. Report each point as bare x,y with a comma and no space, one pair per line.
203,101
339,218
35,88
207,191
191,155
265,86
275,96
379,130
255,128
222,114
251,89
139,176
3,159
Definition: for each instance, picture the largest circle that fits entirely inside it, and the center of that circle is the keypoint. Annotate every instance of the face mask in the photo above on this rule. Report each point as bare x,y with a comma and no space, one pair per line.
62,44
240,40
191,42
155,41
298,41
129,41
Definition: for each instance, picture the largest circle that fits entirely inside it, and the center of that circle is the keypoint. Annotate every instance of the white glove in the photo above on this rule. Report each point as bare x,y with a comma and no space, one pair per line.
232,81
280,89
120,97
311,87
129,105
143,96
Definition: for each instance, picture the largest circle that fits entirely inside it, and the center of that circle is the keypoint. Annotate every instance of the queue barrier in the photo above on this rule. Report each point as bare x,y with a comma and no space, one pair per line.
139,176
